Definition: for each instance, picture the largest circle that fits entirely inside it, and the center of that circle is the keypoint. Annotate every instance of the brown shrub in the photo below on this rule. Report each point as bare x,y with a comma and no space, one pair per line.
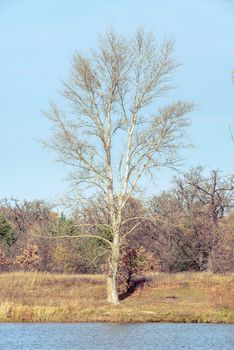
65,258
5,262
134,261
30,259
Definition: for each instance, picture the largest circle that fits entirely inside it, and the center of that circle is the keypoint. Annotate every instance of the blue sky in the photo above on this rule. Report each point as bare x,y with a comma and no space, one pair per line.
37,41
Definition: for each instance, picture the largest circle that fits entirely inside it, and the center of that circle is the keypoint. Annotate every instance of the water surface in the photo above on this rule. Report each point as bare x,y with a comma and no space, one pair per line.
88,336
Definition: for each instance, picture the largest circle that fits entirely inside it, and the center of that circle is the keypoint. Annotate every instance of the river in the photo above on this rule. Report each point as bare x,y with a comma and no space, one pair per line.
88,336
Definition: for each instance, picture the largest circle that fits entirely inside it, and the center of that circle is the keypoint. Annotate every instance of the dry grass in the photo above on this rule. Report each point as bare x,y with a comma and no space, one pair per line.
185,297
223,298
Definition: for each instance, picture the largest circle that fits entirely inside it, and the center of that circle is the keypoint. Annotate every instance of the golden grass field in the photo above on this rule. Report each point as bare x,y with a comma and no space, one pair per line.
184,297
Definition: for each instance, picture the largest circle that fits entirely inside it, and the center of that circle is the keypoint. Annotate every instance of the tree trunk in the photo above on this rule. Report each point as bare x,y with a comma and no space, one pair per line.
211,262
112,286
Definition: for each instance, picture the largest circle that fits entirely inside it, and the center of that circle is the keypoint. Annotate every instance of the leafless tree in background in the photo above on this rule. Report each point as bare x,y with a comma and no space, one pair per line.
25,214
216,194
194,216
113,134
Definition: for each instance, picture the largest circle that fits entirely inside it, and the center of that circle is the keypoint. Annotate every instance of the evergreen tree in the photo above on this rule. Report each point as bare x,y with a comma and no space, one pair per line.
6,231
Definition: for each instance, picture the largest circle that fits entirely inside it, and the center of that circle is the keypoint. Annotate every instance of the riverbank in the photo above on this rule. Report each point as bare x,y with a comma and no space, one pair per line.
184,297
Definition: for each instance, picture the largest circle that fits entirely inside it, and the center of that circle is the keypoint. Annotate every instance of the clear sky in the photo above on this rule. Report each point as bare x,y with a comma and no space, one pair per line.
37,39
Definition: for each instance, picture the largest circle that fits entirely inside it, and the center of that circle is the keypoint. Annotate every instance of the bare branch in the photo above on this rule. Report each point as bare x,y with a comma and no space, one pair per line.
80,236
108,137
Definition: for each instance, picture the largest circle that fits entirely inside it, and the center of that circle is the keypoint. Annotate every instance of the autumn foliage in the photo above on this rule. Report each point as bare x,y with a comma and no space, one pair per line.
134,262
30,259
188,228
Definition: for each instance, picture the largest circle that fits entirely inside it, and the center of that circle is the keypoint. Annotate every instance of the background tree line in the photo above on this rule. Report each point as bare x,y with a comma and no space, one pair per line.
187,228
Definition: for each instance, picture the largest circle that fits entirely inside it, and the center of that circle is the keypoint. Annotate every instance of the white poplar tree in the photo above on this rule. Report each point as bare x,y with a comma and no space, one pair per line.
113,133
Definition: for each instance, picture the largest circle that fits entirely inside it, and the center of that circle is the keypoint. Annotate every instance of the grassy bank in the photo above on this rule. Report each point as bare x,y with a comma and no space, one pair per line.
187,297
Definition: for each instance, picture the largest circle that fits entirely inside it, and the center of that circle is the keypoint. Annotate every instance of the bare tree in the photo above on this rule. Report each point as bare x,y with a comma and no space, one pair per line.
113,135
216,194
24,214
189,226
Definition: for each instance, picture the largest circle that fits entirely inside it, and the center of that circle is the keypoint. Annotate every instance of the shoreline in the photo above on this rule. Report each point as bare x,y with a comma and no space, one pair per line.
34,297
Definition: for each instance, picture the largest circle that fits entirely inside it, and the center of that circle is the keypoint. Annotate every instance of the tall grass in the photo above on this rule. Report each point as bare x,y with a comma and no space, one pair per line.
222,298
184,297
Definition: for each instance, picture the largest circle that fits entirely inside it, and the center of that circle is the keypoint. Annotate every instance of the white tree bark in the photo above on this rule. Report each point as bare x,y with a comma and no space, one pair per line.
112,287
